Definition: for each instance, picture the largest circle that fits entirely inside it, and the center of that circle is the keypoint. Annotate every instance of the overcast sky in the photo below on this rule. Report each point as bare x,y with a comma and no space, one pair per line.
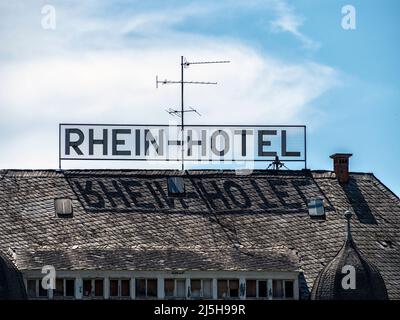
292,63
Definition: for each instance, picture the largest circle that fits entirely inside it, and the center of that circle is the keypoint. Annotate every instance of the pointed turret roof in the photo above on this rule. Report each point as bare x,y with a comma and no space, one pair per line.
367,282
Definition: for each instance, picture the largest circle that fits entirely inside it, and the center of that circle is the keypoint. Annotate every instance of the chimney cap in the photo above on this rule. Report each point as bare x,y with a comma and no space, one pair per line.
341,155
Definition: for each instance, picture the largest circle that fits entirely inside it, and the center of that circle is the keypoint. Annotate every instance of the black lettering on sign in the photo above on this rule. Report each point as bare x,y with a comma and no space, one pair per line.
89,193
73,144
286,153
245,201
103,141
135,195
117,193
119,142
211,197
262,143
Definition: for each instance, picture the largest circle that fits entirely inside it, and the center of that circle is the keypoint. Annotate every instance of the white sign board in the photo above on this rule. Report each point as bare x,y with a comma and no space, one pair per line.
200,142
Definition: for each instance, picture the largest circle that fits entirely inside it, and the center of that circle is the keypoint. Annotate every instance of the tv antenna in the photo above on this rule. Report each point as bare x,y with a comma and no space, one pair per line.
181,113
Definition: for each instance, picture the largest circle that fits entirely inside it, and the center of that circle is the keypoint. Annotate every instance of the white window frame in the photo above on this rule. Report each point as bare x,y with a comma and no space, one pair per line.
119,288
37,284
92,294
175,293
64,294
201,287
228,291
146,295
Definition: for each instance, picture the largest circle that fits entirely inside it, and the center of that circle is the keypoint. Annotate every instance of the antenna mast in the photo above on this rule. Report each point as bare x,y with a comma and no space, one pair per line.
181,112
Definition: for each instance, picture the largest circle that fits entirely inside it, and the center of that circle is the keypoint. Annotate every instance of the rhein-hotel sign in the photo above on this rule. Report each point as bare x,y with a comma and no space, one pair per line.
200,142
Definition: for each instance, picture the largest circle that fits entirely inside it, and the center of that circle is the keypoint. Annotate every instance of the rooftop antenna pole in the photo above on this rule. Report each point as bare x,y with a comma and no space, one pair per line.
182,118
181,113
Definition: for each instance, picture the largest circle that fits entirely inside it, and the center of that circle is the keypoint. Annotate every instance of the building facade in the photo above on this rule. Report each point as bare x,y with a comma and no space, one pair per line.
209,234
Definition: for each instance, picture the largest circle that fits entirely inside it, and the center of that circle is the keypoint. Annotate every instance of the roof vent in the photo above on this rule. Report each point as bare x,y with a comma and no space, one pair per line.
176,187
63,207
316,208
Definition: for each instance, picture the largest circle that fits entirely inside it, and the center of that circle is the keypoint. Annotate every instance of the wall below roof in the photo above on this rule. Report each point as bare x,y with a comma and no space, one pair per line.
78,276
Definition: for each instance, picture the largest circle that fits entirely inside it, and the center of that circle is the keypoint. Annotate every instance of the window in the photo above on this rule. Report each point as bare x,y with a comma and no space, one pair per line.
201,288
152,287
176,186
64,288
277,289
125,288
233,288
59,291
262,289
222,289
98,288
69,287
87,288
228,289
257,289
140,288
175,288
93,288
113,288
169,287
207,289
43,293
31,288
146,288
195,288
35,290
181,288
251,288
63,207
120,288
289,289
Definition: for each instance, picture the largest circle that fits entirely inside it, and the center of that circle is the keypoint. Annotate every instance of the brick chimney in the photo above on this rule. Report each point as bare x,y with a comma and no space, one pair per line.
341,166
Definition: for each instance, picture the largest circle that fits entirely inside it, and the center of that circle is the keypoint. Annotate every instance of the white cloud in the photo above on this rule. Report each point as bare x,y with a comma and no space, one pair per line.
288,21
94,73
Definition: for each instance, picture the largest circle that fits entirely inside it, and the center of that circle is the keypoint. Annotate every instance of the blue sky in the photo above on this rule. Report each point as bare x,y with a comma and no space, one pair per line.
292,62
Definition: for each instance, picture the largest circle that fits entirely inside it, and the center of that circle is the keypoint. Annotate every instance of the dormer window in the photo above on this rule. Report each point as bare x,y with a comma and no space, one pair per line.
176,187
63,207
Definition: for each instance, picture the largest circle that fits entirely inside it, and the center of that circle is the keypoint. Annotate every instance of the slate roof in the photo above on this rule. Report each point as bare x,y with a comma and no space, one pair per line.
124,220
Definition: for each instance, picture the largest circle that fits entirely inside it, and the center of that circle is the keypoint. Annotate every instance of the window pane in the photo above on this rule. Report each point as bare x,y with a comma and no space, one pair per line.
98,288
169,287
87,288
262,289
181,288
289,289
140,287
113,288
42,292
277,288
207,289
234,288
152,287
222,289
70,288
251,288
195,288
125,288
31,284
59,291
